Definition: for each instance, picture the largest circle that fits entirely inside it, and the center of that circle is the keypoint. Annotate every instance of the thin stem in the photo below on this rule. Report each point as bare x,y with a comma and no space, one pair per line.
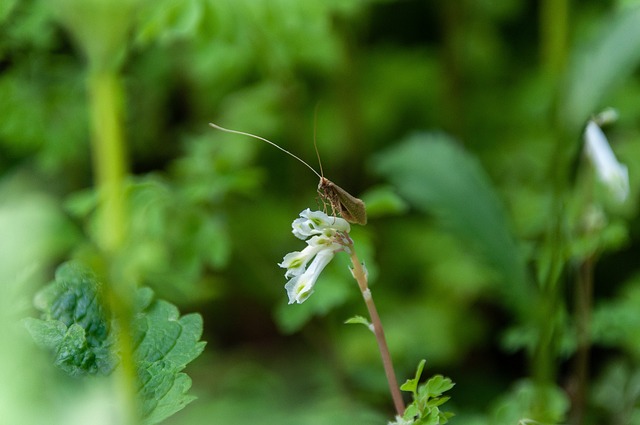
361,278
553,20
583,300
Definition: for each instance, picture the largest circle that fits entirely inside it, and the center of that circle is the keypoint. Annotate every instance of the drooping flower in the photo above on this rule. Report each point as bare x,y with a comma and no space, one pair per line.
325,236
300,287
610,172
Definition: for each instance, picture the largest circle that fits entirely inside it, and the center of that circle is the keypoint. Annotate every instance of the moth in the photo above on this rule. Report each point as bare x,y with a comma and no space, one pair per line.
341,202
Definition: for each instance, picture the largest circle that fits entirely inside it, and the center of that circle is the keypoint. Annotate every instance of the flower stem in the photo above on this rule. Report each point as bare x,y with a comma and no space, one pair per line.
361,278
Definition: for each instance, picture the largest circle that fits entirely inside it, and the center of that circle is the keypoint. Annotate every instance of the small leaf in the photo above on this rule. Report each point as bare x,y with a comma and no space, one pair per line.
438,385
359,320
412,384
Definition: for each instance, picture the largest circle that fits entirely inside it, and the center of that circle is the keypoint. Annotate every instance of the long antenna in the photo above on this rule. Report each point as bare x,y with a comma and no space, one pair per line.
315,145
268,141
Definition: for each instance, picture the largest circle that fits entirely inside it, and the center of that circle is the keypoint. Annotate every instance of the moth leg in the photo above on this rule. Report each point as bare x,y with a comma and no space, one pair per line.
327,197
320,199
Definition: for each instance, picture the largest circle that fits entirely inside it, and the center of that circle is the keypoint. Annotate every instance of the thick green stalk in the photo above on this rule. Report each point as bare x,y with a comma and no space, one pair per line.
554,18
110,170
361,278
109,163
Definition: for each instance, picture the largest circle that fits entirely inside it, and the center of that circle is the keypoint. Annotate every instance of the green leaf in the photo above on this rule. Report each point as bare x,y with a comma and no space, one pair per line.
6,7
437,176
74,323
383,200
359,320
169,21
78,330
412,384
424,409
598,66
166,343
438,385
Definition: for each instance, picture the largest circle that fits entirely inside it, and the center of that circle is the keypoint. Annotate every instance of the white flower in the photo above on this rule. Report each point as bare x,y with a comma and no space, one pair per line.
300,287
326,236
316,222
612,173
295,262
607,116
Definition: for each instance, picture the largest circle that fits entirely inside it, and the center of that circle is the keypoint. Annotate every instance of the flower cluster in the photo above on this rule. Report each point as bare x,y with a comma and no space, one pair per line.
325,236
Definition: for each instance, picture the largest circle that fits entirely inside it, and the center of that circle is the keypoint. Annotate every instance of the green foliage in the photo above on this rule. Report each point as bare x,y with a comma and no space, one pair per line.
77,328
165,343
456,222
74,325
384,201
173,236
359,320
530,403
617,394
439,177
610,56
616,320
427,399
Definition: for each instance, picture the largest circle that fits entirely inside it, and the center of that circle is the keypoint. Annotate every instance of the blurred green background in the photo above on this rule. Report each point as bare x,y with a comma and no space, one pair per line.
458,123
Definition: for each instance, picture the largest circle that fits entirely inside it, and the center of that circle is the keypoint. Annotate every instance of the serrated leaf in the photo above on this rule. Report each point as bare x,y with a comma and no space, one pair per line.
74,325
438,385
166,342
439,401
77,330
424,409
45,334
173,400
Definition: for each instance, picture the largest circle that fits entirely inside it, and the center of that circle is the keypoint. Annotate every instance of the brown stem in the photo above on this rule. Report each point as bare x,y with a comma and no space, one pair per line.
361,278
584,295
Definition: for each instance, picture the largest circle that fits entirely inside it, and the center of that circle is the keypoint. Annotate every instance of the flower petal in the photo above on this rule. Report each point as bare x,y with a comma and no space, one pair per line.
612,173
316,222
301,287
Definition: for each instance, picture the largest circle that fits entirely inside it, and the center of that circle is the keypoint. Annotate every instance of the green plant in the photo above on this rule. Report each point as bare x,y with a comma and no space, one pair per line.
427,399
78,328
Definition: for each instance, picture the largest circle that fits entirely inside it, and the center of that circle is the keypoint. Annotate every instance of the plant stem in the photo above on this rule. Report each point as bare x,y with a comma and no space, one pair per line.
583,301
361,278
110,170
554,21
